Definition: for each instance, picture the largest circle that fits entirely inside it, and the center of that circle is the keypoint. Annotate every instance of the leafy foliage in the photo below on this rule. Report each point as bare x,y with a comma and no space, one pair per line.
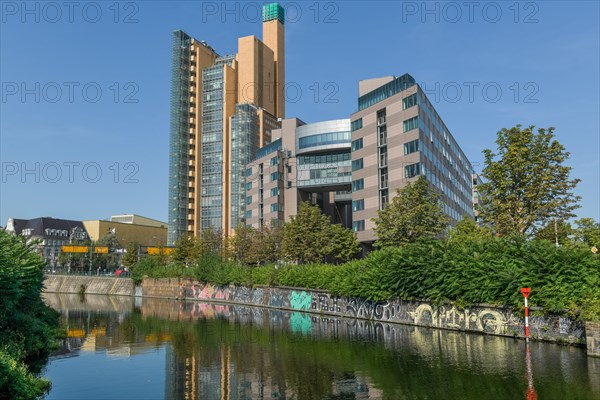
554,231
471,270
28,328
588,232
525,181
310,237
468,229
251,246
414,213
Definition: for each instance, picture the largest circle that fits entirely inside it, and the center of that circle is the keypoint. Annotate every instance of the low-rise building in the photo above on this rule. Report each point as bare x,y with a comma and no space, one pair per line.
48,235
129,228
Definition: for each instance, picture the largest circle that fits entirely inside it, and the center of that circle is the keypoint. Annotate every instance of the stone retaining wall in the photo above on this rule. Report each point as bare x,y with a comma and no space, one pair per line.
92,285
480,318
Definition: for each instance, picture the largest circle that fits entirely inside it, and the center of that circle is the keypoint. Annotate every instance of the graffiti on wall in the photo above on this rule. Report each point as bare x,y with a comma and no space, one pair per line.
477,318
300,300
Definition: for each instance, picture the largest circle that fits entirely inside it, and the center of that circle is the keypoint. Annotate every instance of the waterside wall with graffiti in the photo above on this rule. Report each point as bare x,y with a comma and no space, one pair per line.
480,318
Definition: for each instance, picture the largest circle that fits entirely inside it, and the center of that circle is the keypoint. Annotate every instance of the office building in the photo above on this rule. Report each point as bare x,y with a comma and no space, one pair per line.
223,108
353,168
397,136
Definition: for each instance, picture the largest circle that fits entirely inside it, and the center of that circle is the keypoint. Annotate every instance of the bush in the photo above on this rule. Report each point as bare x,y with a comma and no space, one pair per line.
28,328
476,270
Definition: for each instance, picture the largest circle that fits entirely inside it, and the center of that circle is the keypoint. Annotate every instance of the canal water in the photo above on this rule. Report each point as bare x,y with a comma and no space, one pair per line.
125,348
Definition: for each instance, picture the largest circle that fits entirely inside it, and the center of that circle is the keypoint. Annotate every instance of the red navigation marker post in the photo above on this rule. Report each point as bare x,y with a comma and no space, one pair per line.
526,292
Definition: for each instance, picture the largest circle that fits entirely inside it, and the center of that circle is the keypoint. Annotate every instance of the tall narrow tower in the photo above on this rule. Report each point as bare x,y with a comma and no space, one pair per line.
273,36
223,109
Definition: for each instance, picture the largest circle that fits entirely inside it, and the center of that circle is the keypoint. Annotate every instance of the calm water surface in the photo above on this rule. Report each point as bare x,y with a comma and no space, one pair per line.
121,348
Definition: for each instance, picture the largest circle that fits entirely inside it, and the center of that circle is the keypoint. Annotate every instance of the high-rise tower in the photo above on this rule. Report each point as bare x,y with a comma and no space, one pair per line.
223,109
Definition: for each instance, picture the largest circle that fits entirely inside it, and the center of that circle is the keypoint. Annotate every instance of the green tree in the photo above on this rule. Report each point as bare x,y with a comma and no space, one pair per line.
588,232
246,245
271,244
130,258
28,328
187,250
343,244
306,236
211,241
525,182
111,259
414,213
468,230
554,231
310,237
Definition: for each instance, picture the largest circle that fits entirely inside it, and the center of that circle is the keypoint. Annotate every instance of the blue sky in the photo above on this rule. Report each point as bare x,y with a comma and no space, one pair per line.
85,90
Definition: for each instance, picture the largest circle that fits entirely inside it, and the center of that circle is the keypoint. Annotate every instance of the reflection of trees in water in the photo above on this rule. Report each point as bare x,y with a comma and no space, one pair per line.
250,352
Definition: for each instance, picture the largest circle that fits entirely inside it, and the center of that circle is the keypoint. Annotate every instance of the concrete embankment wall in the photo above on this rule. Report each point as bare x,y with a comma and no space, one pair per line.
92,285
480,318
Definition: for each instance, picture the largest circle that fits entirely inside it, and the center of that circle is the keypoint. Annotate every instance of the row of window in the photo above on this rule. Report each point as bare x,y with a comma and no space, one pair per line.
324,159
355,125
324,139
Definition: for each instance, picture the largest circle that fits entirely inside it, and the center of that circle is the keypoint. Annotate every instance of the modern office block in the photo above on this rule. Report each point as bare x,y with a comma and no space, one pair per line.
223,108
353,168
397,136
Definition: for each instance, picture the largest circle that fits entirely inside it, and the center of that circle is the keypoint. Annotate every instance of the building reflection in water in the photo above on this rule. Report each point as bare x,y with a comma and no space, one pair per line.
216,351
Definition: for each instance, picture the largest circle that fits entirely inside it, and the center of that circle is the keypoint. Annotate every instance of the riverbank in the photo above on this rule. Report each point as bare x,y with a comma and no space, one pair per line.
486,319
479,318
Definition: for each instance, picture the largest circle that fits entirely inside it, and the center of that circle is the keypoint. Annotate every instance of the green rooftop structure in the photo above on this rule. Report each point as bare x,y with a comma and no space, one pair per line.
273,11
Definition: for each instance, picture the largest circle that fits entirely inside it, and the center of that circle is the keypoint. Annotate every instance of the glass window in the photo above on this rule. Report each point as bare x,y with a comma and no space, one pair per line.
411,147
248,171
411,124
248,214
275,192
358,205
248,199
354,125
384,198
324,139
275,160
409,101
248,185
358,184
274,176
274,207
357,144
358,225
412,170
357,164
